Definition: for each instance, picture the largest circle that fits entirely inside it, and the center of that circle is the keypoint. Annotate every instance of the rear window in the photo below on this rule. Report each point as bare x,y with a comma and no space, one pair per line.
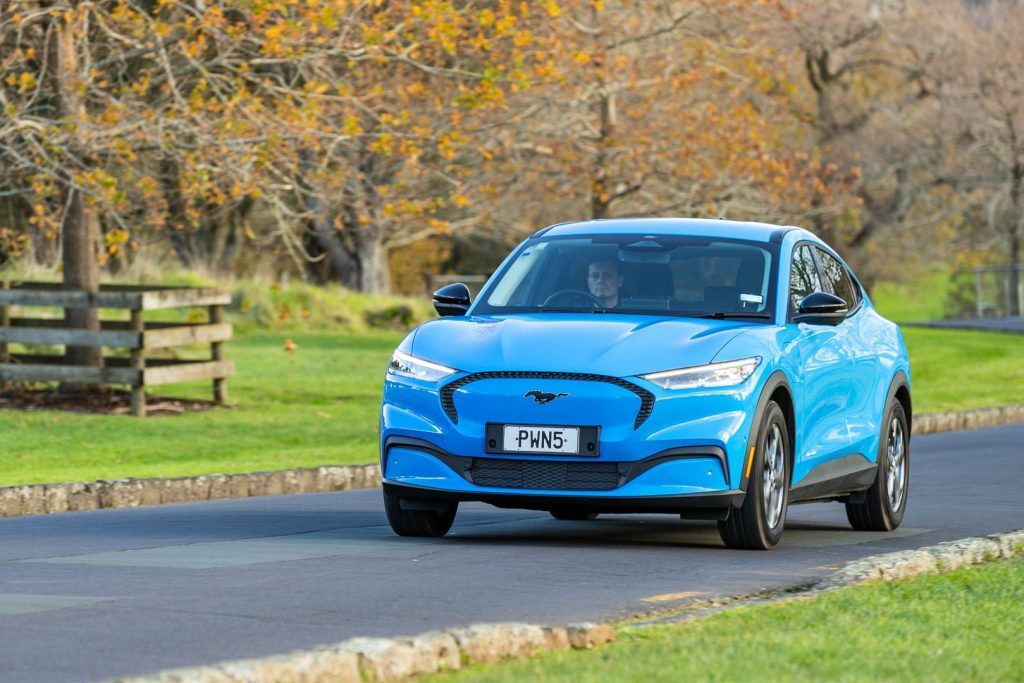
838,279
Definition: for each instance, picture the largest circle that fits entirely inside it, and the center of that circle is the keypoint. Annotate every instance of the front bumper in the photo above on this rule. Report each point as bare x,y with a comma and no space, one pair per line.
668,481
684,450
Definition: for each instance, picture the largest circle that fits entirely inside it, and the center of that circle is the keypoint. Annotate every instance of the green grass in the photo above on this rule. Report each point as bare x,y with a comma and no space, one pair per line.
964,625
960,370
318,406
919,299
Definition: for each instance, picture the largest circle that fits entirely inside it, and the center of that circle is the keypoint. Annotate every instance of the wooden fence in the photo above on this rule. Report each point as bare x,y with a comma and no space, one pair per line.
139,337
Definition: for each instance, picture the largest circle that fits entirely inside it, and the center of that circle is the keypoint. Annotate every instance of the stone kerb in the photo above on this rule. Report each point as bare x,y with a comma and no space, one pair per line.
37,499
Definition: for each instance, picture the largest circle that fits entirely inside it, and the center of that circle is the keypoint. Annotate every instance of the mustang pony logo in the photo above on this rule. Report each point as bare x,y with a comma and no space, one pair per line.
543,397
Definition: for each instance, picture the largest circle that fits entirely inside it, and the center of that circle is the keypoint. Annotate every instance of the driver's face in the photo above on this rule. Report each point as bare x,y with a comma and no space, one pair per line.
604,280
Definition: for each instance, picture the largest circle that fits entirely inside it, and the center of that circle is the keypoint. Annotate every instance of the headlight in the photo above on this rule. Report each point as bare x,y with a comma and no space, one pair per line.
714,375
404,365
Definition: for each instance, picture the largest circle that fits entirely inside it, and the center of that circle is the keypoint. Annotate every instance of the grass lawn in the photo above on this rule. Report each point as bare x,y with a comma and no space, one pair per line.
919,299
964,625
319,406
959,370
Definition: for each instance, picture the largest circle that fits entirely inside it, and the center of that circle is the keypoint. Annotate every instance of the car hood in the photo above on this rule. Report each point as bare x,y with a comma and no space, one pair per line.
602,344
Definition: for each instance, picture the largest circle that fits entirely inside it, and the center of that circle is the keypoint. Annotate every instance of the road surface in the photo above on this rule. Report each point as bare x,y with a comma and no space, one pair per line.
92,595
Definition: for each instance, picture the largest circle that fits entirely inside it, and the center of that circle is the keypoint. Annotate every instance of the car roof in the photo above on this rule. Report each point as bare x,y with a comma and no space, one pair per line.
690,227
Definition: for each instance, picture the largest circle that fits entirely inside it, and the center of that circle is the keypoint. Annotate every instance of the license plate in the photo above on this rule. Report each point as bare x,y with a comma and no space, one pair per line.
530,439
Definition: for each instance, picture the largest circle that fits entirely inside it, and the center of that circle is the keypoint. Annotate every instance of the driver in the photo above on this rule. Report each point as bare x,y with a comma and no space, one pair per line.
604,281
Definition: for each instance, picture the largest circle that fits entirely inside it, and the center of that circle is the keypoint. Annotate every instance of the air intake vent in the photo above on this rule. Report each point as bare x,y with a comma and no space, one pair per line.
545,475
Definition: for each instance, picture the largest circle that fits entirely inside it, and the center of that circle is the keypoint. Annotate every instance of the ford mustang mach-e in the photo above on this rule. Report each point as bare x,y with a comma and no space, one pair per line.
711,369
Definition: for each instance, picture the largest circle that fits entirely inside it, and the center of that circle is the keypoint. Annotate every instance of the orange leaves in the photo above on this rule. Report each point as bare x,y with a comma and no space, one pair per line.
115,241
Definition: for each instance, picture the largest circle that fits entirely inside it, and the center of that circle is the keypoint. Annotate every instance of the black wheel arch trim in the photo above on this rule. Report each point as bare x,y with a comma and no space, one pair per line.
628,469
900,381
776,380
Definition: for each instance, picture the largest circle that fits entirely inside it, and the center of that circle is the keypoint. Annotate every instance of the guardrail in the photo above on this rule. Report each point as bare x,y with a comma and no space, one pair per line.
139,337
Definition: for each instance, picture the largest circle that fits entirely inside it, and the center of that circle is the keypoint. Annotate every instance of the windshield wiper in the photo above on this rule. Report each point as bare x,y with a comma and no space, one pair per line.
722,315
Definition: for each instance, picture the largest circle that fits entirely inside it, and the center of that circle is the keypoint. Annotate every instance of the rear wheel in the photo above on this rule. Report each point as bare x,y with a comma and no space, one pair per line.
884,503
570,515
430,520
758,524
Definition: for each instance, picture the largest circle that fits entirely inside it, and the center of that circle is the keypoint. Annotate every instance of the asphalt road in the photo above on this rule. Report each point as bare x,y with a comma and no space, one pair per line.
92,595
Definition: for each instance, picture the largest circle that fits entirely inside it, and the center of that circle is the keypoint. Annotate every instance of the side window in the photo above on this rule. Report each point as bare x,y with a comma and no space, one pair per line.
838,279
803,276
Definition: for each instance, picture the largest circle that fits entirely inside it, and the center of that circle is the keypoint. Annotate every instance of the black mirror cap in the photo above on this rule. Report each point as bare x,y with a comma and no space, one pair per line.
821,308
453,299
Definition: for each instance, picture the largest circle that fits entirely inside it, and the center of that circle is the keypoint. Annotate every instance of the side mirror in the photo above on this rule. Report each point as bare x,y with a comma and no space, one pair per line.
453,299
821,308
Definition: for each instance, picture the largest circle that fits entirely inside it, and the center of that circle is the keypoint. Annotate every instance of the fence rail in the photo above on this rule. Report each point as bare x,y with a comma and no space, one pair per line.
135,335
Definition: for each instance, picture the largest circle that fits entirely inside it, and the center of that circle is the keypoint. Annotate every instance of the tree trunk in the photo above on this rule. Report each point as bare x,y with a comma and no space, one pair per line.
600,193
1016,221
177,220
81,272
343,267
374,275
79,227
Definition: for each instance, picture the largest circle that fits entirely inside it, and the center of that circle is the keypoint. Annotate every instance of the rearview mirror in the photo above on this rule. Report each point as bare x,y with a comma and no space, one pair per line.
453,299
821,308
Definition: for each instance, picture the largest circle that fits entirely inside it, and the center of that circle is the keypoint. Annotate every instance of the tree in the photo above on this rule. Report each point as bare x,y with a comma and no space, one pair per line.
983,93
45,139
868,109
657,109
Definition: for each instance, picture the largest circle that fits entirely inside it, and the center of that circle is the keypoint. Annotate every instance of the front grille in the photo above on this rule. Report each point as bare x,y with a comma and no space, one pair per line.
545,475
448,390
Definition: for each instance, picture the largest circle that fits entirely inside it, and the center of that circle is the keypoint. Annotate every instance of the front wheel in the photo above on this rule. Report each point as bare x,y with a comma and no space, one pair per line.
432,522
758,523
885,502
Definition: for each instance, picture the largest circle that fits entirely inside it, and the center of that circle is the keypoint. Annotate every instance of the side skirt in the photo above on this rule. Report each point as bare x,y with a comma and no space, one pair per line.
836,478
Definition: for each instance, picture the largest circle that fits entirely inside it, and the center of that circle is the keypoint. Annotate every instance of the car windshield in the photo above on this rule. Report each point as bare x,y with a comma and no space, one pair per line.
640,274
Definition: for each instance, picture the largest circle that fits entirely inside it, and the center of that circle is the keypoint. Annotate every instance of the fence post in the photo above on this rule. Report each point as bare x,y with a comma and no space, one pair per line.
220,387
138,363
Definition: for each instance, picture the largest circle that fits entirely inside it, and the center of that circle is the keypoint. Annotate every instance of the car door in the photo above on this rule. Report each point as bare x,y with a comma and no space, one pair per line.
819,368
861,420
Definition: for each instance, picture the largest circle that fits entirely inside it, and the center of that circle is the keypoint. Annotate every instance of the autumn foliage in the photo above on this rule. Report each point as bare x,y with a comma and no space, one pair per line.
323,137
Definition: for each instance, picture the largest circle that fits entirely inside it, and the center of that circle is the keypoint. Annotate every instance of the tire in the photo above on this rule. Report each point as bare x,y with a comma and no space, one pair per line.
424,523
757,525
885,502
571,515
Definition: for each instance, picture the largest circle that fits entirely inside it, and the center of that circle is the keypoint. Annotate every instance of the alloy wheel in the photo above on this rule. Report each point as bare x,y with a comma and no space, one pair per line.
773,479
896,465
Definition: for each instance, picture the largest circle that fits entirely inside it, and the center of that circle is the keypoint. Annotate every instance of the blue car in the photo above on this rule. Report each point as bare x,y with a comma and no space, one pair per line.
710,369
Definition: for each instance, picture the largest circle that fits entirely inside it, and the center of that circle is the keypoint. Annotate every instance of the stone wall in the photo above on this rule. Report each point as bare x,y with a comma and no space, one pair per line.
36,499
935,423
